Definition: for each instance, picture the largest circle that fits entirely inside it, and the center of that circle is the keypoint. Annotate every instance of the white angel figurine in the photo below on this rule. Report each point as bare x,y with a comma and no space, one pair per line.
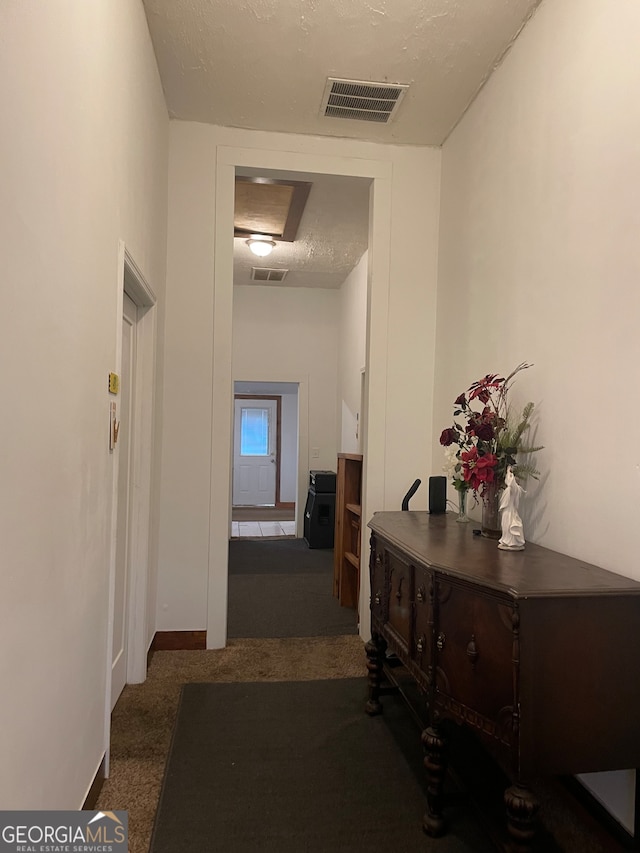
512,532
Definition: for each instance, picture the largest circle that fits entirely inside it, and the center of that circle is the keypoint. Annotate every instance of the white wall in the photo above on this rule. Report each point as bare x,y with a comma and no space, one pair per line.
186,489
539,261
282,332
83,158
352,353
193,547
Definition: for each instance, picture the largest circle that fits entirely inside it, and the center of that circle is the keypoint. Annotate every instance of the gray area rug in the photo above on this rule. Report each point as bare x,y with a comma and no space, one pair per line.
282,588
297,767
278,556
144,717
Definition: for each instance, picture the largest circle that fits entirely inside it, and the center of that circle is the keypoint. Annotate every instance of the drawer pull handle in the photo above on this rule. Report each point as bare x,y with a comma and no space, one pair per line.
399,592
378,559
420,644
441,641
378,598
420,594
472,650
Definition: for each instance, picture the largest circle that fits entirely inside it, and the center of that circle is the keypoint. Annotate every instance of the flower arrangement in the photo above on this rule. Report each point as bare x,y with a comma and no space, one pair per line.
490,440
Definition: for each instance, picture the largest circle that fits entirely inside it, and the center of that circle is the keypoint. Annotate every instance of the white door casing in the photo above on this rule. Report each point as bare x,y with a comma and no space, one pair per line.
255,462
140,624
122,569
362,423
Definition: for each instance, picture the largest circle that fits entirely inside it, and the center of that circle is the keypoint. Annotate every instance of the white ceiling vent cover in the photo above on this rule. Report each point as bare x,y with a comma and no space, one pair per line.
266,274
360,100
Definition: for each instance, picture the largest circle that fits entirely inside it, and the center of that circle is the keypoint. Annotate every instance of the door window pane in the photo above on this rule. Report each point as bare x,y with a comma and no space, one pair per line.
254,432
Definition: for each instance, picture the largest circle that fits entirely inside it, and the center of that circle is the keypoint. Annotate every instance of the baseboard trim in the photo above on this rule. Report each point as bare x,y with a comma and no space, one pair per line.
94,789
171,641
286,505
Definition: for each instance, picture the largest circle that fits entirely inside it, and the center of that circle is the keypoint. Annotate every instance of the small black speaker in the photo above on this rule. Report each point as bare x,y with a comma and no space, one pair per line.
437,494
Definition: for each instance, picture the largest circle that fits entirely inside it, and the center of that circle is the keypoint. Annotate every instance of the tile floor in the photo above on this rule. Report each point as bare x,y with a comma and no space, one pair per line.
252,529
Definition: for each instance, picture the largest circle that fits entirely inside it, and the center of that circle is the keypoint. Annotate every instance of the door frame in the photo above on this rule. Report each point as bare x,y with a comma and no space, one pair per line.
380,172
126,396
278,400
131,280
302,479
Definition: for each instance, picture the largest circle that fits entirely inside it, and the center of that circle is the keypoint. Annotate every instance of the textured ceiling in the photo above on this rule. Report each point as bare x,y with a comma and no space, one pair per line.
264,64
332,235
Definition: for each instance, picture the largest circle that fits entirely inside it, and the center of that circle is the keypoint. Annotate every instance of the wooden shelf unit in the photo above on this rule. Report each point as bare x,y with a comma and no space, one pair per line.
346,549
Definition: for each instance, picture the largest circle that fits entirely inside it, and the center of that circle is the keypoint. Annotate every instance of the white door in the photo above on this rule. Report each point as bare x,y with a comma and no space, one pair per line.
120,615
254,456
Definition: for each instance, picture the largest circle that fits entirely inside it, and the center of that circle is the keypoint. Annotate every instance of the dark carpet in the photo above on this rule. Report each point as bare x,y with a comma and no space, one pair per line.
298,767
282,588
268,556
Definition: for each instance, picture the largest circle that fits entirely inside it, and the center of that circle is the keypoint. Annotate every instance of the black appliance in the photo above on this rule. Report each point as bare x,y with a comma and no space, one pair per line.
320,510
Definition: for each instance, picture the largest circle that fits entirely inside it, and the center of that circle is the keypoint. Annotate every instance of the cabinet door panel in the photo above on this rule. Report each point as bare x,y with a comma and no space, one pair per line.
423,626
400,595
377,580
474,651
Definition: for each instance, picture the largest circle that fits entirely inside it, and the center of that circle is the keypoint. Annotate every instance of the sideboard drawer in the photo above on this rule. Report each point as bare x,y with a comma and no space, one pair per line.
475,658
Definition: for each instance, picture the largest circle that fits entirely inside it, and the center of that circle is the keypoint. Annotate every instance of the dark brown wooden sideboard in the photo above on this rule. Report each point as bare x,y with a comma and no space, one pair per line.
536,652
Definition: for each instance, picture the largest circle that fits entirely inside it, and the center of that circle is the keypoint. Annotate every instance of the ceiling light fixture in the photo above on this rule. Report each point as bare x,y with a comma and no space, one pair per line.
260,245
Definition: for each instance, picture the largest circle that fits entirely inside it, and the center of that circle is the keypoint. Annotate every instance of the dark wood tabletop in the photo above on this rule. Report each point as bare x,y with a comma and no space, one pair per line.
439,542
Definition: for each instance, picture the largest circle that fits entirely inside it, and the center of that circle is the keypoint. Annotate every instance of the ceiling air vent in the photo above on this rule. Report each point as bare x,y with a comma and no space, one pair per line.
265,274
360,100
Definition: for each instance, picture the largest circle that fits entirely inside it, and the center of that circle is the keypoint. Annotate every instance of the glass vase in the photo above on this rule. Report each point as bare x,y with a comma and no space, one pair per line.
462,518
491,527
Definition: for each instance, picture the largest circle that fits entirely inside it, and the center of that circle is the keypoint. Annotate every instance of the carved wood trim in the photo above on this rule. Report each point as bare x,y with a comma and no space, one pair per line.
463,714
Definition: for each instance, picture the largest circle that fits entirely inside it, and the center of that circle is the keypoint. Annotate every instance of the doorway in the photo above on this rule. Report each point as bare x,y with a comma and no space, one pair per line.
130,625
265,459
379,173
131,584
256,458
120,640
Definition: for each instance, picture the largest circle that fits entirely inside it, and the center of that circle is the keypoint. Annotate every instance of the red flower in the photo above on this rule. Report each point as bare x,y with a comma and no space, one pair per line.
478,470
482,436
483,387
485,432
449,436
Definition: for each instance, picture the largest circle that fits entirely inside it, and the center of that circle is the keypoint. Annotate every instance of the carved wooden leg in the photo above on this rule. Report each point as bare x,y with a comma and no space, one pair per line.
522,807
435,763
374,649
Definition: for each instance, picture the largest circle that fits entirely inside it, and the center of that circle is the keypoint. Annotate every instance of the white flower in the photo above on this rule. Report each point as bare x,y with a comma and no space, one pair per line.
451,460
